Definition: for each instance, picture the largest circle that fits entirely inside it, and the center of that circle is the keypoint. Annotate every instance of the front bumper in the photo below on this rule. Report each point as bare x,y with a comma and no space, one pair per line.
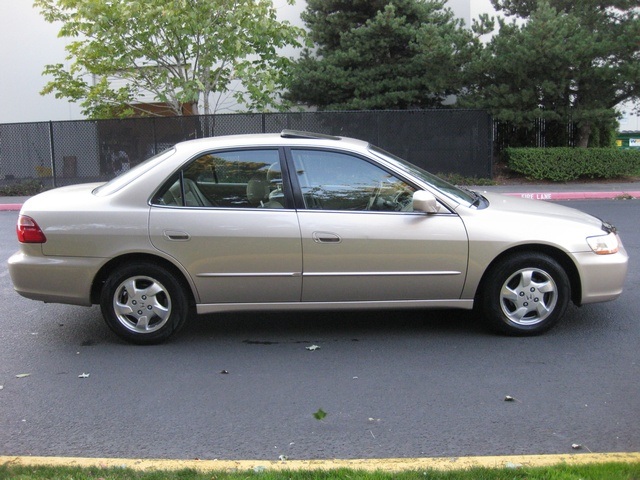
602,276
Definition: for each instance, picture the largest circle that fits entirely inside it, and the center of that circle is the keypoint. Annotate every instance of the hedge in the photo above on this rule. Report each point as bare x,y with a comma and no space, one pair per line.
563,164
26,188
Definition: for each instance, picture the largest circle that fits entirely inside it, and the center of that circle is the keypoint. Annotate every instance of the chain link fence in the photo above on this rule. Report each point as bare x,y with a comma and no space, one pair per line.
63,153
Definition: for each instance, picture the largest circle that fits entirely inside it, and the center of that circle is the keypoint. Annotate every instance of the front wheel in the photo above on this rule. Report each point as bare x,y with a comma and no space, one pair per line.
525,294
143,303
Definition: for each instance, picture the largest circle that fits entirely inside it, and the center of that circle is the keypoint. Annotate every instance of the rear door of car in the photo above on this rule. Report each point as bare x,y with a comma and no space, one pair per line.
228,219
361,241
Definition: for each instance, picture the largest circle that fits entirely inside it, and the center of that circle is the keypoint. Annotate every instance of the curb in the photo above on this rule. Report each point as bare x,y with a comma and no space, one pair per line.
10,207
577,195
373,464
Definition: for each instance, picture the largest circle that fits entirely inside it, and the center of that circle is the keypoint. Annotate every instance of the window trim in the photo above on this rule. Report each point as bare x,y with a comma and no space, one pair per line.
179,171
297,190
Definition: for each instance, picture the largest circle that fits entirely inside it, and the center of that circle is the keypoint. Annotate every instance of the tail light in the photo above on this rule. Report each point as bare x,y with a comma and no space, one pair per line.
28,231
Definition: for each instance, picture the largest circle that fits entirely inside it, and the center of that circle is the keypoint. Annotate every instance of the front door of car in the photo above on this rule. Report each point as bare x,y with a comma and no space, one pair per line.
361,241
224,217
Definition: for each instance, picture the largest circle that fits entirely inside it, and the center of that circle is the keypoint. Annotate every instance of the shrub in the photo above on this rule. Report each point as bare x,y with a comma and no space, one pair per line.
457,179
26,189
564,164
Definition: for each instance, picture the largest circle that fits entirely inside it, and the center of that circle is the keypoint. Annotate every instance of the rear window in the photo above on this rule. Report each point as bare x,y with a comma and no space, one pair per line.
130,175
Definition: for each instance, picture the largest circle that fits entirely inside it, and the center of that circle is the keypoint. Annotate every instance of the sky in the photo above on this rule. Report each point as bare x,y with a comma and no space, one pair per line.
28,43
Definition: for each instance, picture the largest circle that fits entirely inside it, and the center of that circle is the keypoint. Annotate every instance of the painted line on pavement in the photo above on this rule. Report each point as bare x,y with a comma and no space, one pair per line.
371,464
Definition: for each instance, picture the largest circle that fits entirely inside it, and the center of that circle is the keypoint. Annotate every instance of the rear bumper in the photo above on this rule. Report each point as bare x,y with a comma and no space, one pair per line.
54,279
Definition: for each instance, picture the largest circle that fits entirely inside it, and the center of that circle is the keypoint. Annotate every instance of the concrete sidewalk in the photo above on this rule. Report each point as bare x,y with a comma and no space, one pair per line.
556,191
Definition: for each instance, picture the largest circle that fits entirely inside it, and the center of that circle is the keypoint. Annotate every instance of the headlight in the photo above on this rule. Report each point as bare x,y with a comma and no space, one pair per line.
604,244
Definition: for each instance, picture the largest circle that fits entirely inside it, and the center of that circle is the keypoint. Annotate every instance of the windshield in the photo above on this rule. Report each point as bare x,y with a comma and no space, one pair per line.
451,191
130,175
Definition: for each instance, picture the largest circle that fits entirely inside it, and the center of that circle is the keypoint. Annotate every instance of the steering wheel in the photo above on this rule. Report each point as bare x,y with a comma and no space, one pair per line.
402,200
373,199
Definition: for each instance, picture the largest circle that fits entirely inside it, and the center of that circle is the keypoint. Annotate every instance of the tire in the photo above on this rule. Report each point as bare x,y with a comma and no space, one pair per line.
525,294
144,303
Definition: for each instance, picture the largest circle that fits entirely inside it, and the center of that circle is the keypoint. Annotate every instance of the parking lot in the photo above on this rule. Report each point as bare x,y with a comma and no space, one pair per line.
393,384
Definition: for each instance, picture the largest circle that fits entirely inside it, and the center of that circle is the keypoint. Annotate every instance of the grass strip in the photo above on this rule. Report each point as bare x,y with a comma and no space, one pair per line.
608,471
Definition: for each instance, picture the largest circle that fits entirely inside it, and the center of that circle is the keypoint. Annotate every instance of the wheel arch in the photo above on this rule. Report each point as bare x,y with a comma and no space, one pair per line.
114,263
558,255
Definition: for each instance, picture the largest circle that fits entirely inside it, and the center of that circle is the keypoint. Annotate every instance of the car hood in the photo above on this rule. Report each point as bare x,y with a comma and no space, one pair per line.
524,207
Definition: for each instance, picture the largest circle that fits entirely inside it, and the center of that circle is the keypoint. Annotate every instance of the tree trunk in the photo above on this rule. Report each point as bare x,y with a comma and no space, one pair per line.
584,131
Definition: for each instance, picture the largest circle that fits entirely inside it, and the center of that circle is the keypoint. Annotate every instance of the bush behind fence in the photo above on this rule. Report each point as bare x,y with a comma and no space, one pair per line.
68,152
566,164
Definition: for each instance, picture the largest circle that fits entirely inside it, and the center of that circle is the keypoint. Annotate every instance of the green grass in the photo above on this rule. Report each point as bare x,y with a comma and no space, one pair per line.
604,471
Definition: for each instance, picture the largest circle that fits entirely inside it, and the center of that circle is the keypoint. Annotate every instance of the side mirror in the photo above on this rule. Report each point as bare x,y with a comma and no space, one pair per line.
425,202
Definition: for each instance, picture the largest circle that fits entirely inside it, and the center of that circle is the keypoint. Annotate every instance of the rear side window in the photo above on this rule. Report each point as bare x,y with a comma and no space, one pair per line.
232,179
130,175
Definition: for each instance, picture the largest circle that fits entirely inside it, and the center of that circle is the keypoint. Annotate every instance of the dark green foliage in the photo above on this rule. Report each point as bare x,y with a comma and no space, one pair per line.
328,19
564,61
457,179
380,54
26,188
565,164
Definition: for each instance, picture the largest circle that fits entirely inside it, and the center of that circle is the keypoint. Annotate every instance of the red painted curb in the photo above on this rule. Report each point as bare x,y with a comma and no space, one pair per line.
10,206
575,195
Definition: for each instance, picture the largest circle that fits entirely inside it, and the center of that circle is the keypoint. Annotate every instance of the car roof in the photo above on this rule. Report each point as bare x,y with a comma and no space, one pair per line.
285,138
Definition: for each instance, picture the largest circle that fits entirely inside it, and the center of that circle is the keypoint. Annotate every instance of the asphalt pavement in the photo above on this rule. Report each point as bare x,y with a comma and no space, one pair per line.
553,192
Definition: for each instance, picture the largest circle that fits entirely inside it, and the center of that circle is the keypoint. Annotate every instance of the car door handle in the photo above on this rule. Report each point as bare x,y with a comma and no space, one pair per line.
326,237
176,236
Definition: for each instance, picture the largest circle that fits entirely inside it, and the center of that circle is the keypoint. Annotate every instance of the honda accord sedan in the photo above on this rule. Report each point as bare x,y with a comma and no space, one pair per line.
296,221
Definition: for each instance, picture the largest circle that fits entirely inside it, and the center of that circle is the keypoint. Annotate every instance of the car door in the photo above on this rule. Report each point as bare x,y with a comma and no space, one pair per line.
226,218
361,241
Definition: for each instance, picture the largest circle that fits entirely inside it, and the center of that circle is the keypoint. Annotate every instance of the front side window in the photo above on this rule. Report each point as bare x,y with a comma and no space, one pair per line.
338,181
233,179
453,192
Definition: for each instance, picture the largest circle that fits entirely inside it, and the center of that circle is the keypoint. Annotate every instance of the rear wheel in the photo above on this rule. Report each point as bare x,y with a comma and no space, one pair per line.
143,303
525,294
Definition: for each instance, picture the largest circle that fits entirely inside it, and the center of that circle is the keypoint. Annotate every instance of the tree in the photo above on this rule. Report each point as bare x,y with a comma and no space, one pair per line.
177,51
380,54
562,61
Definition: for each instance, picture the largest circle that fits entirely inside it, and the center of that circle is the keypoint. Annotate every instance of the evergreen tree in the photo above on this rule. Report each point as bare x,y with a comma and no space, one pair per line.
562,61
380,54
